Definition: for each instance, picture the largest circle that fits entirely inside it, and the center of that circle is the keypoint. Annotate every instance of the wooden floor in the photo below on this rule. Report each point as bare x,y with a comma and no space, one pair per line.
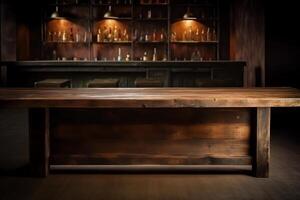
284,182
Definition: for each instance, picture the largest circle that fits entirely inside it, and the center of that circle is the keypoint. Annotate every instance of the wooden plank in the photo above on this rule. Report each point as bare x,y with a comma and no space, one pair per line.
39,141
262,154
142,159
150,97
150,133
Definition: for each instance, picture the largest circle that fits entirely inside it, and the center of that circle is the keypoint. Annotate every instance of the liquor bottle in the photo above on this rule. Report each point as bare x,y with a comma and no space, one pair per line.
145,56
127,57
54,37
85,37
125,36
154,36
54,55
165,58
64,36
149,14
162,35
154,57
119,55
208,36
71,36
141,38
189,34
197,35
59,38
147,39
99,36
203,35
115,34
135,35
49,38
109,35
174,37
77,36
105,34
214,35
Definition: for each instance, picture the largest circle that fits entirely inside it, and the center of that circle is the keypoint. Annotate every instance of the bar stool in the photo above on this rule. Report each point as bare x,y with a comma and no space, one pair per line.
53,83
103,83
144,82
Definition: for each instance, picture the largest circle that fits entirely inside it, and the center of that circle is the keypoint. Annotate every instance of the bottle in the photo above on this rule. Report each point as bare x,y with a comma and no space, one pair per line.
146,37
190,34
145,56
202,35
85,37
71,35
154,57
115,34
77,37
141,38
214,35
154,36
174,37
64,36
208,36
149,14
197,35
109,35
127,57
162,36
165,58
119,55
54,55
50,38
99,39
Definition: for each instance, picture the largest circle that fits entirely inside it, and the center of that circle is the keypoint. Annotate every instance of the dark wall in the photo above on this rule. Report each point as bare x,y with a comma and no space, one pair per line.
282,44
283,56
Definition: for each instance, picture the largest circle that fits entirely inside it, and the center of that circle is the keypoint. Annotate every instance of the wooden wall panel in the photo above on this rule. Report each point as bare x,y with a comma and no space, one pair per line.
149,136
247,38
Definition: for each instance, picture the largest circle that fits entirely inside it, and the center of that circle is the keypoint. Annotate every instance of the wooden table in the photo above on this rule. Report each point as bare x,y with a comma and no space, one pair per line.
157,127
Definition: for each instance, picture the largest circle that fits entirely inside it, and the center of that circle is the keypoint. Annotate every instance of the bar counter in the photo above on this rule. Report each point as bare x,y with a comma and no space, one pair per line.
158,127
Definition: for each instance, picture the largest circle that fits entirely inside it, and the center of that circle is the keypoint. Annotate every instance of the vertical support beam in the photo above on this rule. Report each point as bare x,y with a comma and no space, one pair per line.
262,152
39,141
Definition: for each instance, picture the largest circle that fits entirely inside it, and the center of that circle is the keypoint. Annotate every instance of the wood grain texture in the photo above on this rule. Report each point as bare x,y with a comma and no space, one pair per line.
262,154
247,38
150,97
150,136
39,141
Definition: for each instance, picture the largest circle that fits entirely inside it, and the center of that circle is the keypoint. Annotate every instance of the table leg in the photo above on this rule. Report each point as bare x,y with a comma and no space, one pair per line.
262,150
39,141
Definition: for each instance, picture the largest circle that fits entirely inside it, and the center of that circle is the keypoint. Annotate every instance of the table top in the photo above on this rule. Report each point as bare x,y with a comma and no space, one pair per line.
149,97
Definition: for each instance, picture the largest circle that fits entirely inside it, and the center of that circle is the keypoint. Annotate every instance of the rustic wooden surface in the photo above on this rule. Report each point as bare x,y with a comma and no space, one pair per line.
182,136
262,150
150,97
39,141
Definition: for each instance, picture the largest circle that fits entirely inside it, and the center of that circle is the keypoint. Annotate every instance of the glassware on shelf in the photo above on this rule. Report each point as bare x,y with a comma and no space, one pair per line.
196,56
99,35
127,57
119,55
173,36
154,57
197,35
203,38
208,35
145,56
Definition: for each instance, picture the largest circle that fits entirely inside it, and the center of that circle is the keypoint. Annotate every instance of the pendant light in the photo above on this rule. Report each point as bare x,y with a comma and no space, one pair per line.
55,14
108,14
189,14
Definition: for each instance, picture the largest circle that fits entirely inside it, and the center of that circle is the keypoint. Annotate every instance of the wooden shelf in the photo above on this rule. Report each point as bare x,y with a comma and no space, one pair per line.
152,19
151,42
67,42
194,42
118,42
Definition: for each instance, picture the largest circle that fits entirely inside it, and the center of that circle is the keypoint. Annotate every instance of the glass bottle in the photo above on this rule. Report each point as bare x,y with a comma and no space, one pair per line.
145,56
154,57
197,35
203,35
189,34
119,55
208,36
99,35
